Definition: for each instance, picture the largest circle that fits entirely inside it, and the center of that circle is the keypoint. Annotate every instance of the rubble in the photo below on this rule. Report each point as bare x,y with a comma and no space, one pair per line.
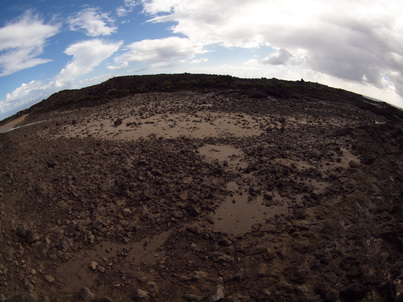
167,196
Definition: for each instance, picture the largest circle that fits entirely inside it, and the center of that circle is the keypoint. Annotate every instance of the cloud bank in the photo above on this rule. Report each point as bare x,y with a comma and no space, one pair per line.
280,58
22,41
92,22
157,51
86,56
352,40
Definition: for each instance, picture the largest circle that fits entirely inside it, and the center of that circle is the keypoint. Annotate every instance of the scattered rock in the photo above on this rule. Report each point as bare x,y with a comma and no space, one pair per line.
140,295
28,236
194,210
368,159
100,269
299,274
218,293
131,227
152,286
98,224
86,294
22,298
199,275
388,290
49,278
331,296
285,287
263,270
118,122
354,164
190,297
31,236
257,250
353,292
225,241
9,253
317,196
104,299
89,237
93,265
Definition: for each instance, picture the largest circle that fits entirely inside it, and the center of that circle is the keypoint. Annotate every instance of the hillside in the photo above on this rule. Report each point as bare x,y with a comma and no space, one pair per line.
202,188
257,88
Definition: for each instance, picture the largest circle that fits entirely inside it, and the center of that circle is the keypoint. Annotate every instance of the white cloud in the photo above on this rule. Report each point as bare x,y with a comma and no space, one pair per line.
19,59
86,56
29,93
357,41
126,8
160,6
23,92
24,96
93,22
202,60
279,58
158,51
22,41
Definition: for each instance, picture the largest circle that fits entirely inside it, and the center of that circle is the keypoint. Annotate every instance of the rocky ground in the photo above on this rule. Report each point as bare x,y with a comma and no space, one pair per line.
207,196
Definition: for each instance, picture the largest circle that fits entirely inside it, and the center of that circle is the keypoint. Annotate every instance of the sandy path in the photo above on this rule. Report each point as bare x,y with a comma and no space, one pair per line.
12,124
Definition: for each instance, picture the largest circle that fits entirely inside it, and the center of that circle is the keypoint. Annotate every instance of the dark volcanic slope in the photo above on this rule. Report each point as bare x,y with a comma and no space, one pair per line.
256,88
203,188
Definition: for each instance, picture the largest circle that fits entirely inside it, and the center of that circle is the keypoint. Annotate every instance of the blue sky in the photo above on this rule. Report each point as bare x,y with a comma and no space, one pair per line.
49,45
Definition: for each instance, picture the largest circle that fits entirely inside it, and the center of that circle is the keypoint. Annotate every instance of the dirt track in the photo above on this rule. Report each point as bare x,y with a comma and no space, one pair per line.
203,197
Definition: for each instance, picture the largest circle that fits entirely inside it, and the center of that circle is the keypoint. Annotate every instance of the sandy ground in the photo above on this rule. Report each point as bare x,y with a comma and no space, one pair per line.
12,124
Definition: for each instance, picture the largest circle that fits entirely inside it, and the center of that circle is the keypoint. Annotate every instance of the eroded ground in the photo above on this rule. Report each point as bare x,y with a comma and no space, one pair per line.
203,197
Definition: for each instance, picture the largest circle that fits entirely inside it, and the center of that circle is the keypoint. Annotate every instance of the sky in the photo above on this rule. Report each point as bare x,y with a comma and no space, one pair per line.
50,45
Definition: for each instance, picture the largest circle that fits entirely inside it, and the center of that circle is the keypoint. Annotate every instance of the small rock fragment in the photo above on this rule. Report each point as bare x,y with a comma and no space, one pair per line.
200,275
194,210
140,295
225,241
263,270
118,122
86,294
353,292
218,294
93,265
98,224
191,297
131,227
353,164
152,286
23,298
31,236
49,278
